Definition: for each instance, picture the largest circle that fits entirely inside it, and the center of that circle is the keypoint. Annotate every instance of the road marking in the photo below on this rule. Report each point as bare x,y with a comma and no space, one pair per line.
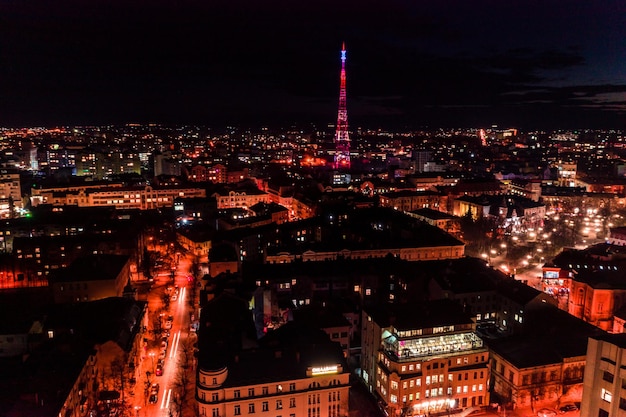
182,295
174,347
169,394
163,400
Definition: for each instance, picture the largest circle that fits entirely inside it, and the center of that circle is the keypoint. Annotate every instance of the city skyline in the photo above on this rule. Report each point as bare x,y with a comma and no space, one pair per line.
530,65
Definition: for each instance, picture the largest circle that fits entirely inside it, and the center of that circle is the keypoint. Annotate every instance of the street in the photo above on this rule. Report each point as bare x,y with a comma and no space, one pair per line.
172,355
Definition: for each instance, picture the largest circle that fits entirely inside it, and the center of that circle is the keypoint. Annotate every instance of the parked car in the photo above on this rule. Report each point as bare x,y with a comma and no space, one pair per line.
568,407
546,412
154,393
159,369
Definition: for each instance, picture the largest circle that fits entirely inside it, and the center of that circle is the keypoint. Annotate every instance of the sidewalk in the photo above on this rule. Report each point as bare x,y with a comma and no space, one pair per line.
533,411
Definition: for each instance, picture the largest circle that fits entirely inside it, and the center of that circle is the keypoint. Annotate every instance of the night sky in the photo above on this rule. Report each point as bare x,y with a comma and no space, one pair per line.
444,63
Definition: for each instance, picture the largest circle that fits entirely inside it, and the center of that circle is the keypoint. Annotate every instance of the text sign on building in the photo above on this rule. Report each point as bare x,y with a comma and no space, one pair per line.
324,370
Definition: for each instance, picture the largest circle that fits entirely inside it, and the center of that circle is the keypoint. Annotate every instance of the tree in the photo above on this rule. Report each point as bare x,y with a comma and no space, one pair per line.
157,329
166,300
186,350
183,384
118,373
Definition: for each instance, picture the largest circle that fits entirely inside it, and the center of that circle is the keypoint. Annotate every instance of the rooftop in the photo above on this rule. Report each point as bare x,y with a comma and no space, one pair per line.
423,315
92,268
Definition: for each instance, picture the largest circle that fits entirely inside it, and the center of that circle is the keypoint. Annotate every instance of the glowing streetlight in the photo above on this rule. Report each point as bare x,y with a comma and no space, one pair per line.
151,354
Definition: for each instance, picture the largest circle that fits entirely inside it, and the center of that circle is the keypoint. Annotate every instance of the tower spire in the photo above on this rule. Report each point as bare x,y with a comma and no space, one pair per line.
342,141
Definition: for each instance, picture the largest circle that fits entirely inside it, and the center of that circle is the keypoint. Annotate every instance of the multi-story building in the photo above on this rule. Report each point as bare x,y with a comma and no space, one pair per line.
595,296
241,199
423,358
617,236
543,362
604,385
508,210
142,198
10,194
292,371
101,164
72,365
201,173
444,221
91,278
167,164
58,156
406,200
530,189
36,256
361,234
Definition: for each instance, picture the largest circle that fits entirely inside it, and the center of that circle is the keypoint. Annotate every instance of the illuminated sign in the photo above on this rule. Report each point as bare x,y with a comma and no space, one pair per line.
324,370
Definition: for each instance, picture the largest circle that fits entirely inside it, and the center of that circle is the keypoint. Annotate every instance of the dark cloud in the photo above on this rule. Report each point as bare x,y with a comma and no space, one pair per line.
454,62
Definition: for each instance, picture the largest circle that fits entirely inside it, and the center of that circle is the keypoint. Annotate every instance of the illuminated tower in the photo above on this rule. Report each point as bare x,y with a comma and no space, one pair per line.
342,141
483,137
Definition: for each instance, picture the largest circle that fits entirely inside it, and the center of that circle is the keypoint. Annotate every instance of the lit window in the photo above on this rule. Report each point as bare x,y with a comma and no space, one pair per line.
606,395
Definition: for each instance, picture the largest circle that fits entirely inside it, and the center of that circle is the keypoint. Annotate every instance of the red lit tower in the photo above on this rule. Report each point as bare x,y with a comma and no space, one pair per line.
342,141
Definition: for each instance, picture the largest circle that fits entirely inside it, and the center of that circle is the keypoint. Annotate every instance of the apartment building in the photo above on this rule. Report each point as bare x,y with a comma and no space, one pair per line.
423,358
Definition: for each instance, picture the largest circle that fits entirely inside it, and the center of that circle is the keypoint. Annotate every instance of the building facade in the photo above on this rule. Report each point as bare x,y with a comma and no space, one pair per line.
421,361
319,390
91,278
604,384
241,199
142,198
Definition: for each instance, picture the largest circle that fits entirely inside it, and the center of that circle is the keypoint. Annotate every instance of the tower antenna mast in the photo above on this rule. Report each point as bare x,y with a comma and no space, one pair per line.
342,140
